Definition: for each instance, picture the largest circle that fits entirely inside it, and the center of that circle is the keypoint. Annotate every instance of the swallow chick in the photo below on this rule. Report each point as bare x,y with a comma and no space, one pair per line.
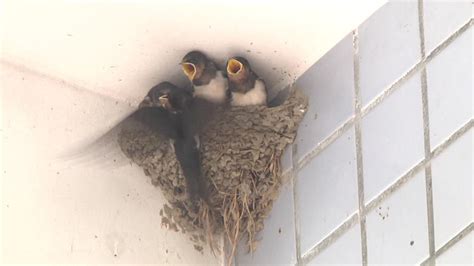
161,110
245,87
170,112
182,131
168,97
208,81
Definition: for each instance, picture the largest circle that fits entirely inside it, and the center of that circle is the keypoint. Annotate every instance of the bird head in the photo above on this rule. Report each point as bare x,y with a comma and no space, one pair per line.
194,64
169,97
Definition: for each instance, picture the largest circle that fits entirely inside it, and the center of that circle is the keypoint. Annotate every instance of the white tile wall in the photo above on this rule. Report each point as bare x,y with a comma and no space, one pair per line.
460,254
327,191
452,189
397,120
397,223
330,87
349,243
442,18
389,46
450,88
396,229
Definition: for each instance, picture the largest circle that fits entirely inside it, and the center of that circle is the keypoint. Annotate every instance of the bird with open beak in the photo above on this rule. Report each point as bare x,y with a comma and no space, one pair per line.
208,81
245,87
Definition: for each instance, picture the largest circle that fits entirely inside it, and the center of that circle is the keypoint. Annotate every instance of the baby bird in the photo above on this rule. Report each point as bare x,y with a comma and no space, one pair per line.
182,127
172,113
208,81
161,110
245,87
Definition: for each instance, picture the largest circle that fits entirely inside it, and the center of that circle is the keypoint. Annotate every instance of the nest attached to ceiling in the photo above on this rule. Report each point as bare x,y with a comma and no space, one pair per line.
240,152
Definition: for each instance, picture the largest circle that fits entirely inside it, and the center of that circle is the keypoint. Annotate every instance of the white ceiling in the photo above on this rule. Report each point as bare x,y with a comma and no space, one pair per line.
122,48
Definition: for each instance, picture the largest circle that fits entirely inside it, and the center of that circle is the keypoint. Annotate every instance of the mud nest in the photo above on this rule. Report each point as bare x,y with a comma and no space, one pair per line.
240,152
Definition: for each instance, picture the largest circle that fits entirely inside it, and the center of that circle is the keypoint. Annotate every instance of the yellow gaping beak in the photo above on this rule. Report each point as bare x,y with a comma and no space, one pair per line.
189,69
234,67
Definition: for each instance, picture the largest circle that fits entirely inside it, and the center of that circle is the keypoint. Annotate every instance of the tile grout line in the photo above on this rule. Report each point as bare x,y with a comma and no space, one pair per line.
296,216
421,28
419,166
377,200
339,231
426,137
358,147
326,242
453,241
418,66
452,138
382,96
325,143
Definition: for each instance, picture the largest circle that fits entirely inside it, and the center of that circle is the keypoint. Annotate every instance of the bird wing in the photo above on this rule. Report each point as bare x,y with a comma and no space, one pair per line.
105,149
196,118
188,156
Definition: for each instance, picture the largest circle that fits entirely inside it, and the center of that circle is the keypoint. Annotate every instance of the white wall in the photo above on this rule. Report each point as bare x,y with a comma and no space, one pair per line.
393,183
70,69
124,48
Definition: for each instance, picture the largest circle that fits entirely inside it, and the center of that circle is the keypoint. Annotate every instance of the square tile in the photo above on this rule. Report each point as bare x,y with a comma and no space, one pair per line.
397,231
389,45
329,84
443,18
460,253
346,250
452,189
327,191
392,137
277,244
450,88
